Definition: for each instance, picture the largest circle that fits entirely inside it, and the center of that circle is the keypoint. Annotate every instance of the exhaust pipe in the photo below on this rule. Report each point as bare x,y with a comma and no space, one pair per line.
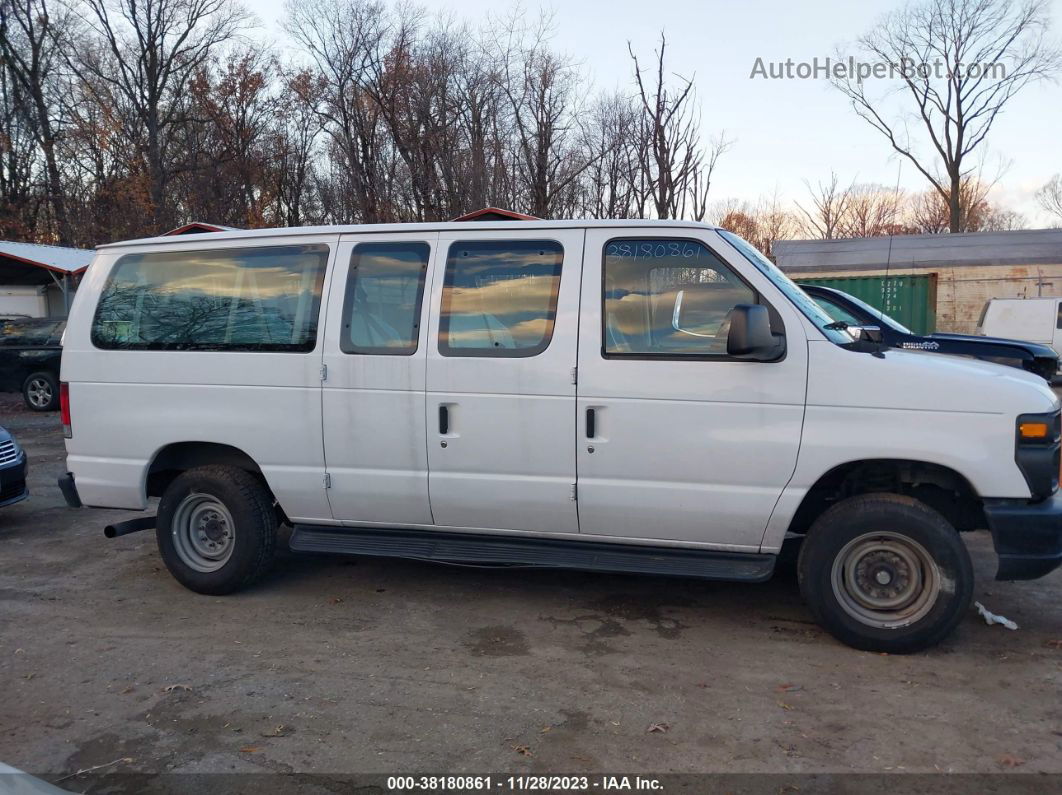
129,526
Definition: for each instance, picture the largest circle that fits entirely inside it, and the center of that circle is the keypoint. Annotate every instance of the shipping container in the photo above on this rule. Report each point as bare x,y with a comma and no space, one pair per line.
911,300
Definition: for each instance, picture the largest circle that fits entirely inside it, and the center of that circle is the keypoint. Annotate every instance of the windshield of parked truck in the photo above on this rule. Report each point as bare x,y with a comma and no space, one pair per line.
804,302
877,317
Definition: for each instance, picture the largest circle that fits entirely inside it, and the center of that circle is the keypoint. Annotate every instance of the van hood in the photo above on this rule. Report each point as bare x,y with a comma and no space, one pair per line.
918,380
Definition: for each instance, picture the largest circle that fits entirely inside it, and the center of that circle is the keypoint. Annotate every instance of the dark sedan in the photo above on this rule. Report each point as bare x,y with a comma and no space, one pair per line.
845,308
12,470
30,352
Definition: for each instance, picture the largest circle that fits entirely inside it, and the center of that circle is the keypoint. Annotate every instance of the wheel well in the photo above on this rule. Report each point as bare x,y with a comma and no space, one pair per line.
942,489
176,458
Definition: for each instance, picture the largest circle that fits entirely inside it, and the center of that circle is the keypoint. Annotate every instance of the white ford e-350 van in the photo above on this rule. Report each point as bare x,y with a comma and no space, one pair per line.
631,396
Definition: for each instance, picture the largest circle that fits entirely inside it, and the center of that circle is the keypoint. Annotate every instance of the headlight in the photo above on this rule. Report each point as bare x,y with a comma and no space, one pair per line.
1037,451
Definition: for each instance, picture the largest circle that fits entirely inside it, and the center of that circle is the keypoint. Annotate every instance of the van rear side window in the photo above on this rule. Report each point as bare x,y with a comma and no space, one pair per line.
234,299
381,312
500,297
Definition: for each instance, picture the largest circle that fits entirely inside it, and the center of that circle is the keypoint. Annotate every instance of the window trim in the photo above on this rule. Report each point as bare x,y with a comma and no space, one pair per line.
688,357
306,348
499,353
345,345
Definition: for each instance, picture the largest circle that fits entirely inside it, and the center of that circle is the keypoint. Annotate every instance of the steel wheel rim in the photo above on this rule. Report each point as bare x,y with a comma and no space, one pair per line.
203,532
885,580
39,392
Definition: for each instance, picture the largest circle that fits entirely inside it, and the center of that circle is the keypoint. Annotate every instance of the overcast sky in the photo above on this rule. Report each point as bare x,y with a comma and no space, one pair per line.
784,131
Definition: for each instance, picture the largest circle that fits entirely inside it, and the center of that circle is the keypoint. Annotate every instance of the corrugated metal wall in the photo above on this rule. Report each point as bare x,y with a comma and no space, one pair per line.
910,299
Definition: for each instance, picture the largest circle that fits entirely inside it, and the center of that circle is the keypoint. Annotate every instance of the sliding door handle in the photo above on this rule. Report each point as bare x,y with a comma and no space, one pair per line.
444,420
591,423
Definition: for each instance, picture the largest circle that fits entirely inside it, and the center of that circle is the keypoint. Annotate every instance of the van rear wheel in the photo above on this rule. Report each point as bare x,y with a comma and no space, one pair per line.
885,573
216,529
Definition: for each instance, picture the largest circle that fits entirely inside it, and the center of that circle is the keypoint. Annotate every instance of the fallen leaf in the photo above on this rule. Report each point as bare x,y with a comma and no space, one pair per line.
280,730
788,688
1054,644
784,706
1009,760
335,600
523,750
546,729
126,689
172,688
250,749
657,727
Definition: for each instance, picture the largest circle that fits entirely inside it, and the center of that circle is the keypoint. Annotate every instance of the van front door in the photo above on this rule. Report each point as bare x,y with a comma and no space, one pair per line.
500,386
373,395
678,440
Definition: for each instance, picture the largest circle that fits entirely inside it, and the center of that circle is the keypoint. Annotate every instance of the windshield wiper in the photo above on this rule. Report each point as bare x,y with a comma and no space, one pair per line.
837,325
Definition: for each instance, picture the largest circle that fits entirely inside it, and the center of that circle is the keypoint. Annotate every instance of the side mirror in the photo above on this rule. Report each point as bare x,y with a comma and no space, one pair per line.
750,331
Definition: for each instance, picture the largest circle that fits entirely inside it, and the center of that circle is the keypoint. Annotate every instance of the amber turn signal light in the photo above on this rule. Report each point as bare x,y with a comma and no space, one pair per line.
1033,430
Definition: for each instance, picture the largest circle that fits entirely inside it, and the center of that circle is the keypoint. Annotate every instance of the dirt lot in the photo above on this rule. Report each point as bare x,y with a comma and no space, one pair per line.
343,666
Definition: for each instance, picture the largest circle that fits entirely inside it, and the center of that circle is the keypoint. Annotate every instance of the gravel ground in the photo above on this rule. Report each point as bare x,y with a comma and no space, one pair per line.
338,666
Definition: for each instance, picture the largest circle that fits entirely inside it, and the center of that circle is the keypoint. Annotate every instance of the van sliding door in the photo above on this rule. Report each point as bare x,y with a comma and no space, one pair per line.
373,396
500,386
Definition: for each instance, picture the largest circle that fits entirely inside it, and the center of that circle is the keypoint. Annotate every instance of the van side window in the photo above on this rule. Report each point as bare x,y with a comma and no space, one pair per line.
499,297
381,311
232,299
667,297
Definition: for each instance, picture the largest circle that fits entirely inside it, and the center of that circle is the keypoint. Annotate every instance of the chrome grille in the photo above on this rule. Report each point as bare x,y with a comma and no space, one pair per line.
8,452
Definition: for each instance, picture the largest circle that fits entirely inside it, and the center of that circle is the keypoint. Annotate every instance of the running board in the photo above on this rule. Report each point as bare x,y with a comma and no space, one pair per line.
507,550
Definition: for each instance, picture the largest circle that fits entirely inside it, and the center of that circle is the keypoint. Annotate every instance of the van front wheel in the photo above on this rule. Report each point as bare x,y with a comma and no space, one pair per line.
885,573
216,529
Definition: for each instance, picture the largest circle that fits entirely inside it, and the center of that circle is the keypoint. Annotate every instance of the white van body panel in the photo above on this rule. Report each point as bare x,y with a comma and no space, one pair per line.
373,413
685,450
1031,319
686,453
914,406
509,457
129,405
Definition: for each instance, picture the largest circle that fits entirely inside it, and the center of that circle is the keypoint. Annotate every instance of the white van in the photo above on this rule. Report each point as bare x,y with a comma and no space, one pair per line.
631,396
1032,319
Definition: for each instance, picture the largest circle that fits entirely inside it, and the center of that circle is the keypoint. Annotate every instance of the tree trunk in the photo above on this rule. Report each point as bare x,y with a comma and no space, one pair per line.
955,208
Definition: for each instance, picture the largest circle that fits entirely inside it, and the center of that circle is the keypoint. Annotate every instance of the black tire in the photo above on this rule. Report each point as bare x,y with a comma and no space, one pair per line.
235,495
908,545
40,391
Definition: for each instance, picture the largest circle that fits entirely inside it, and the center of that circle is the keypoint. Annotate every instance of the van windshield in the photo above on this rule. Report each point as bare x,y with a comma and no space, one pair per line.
804,302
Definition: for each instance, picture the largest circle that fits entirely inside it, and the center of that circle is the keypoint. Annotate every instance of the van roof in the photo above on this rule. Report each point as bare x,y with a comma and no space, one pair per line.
440,226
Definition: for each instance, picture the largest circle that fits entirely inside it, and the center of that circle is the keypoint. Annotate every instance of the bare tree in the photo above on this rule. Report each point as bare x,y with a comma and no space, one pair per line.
1050,197
761,223
677,168
930,213
830,205
341,38
155,48
873,211
30,38
958,62
541,87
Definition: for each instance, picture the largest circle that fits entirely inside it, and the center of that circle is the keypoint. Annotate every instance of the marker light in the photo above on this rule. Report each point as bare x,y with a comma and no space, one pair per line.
1033,430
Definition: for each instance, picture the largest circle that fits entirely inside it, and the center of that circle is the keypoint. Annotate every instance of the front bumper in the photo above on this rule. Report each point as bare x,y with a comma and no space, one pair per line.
1027,536
13,482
